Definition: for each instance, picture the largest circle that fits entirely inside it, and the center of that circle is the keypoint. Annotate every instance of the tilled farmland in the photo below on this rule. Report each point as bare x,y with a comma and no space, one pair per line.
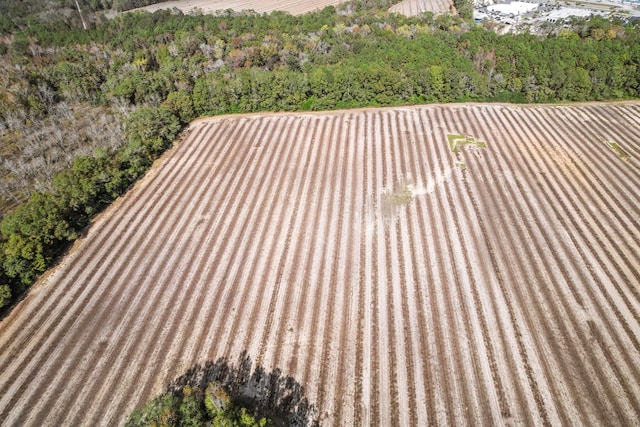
417,7
450,265
295,7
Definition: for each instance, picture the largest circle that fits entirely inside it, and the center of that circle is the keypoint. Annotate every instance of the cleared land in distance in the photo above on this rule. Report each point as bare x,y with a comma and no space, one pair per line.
295,7
442,264
417,7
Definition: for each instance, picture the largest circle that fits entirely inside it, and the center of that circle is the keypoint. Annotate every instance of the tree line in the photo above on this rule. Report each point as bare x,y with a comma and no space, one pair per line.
84,113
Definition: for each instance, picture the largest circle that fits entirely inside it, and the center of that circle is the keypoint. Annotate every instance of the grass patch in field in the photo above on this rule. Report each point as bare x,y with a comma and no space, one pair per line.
618,150
457,141
400,195
461,165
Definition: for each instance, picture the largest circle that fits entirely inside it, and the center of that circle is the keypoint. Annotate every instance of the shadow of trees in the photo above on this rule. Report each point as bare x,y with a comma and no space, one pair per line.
268,394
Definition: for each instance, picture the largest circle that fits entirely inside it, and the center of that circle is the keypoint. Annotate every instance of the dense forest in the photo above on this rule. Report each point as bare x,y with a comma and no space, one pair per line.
84,113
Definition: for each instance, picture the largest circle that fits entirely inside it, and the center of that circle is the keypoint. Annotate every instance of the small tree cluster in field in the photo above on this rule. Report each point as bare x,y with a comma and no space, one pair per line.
223,394
195,407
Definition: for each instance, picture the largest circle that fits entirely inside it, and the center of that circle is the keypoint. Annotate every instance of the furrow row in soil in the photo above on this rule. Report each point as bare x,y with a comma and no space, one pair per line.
510,265
236,241
447,364
404,322
286,214
579,270
558,276
349,286
324,358
192,296
467,369
440,265
76,315
311,237
290,270
393,281
334,343
362,207
497,341
475,361
315,319
373,342
590,226
251,311
384,357
221,219
45,320
163,263
423,381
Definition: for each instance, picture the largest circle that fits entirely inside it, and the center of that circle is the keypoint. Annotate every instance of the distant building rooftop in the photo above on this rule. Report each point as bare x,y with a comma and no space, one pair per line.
566,12
513,8
479,16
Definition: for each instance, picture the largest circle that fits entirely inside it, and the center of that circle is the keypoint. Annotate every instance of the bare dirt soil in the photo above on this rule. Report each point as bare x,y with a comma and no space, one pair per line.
295,7
443,264
417,7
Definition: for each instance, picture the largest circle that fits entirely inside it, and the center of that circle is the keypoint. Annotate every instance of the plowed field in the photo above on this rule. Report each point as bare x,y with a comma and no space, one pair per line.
450,265
417,7
295,7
